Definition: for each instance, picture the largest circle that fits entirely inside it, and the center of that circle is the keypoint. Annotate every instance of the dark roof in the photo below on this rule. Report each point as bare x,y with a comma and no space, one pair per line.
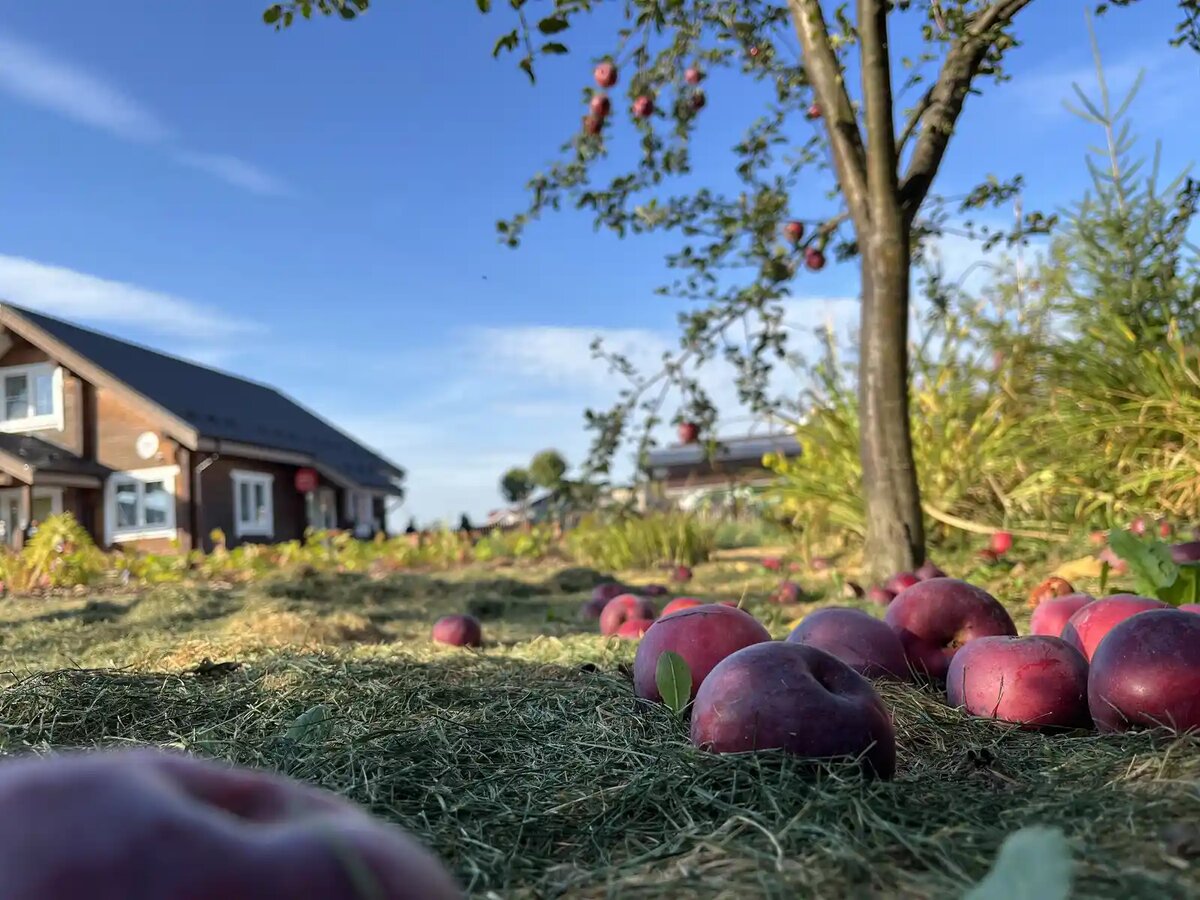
736,449
223,406
46,457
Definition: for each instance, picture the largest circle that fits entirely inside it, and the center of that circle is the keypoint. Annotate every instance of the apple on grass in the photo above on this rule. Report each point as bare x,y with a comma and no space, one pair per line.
864,643
880,596
627,607
787,592
1001,542
1146,673
1188,551
150,823
929,570
1051,587
935,618
681,603
634,628
778,695
1037,681
681,574
902,580
1088,626
701,636
1190,607
458,631
1051,615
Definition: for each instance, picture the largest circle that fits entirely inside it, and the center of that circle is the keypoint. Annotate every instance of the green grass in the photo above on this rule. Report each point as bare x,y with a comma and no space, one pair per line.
532,770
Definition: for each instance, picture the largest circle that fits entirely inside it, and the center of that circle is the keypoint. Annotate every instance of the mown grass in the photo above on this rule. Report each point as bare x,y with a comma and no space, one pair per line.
533,771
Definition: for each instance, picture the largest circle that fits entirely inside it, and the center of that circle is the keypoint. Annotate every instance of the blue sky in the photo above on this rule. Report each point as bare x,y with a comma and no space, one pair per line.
316,208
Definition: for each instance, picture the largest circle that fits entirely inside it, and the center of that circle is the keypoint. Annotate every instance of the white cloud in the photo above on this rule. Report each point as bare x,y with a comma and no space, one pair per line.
35,77
59,291
236,172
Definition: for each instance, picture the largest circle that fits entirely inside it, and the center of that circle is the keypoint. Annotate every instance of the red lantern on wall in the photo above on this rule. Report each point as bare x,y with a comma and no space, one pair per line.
306,480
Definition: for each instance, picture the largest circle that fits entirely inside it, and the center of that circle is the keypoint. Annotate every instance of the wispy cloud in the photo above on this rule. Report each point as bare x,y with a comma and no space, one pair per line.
32,75
59,291
237,172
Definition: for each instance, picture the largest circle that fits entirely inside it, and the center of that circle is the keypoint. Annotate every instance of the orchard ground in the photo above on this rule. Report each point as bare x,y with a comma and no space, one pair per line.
530,768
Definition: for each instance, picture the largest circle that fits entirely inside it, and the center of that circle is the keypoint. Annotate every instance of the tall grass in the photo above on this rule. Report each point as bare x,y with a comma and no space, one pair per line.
642,542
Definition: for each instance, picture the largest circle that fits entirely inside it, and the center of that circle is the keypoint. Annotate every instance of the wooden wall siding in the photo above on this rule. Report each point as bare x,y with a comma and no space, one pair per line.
217,503
118,427
23,353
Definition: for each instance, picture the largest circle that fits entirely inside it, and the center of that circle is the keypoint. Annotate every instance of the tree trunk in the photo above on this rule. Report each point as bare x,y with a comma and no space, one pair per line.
895,540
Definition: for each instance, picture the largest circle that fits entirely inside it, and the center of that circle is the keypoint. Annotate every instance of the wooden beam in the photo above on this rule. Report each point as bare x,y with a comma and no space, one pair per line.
183,499
89,420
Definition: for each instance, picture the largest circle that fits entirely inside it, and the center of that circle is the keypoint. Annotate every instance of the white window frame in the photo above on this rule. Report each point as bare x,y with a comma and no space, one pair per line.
169,476
256,529
53,419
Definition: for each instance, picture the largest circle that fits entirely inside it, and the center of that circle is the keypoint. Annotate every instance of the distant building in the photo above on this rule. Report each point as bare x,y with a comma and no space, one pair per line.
683,476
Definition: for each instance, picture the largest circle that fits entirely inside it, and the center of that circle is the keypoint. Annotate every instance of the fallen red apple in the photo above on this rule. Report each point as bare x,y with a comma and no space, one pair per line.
813,112
601,594
1115,562
794,231
1188,551
605,74
1052,614
643,107
1165,529
654,590
1088,626
1099,538
772,563
902,580
928,570
148,823
814,259
702,636
787,592
600,105
1189,607
681,574
458,631
1037,681
1138,526
864,643
632,629
1051,587
1146,673
729,603
1001,542
881,595
681,603
779,695
621,610
934,618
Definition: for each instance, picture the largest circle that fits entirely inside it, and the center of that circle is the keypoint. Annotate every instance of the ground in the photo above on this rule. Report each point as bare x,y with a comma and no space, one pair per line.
531,769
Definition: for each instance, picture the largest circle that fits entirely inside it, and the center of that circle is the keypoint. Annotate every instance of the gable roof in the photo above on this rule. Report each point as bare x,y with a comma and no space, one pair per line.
222,406
735,449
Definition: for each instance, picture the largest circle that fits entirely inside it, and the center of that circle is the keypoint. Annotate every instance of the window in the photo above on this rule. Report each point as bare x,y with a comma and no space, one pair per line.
253,511
141,504
32,397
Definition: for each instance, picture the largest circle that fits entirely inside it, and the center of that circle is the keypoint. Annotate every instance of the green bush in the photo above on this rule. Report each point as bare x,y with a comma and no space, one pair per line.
641,542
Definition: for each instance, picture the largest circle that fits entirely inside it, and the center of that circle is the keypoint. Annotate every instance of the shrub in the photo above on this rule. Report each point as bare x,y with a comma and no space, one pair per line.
641,542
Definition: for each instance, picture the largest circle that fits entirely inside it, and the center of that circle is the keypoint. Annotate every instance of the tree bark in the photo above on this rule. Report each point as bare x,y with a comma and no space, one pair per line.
895,540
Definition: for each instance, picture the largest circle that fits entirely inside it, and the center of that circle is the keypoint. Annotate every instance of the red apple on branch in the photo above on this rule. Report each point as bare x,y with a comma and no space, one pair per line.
643,107
693,75
600,105
605,74
794,231
814,259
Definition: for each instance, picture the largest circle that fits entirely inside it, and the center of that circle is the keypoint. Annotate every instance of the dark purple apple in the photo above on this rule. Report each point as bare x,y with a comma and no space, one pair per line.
1146,673
1036,681
458,631
622,609
787,592
702,636
654,590
1190,607
1187,552
149,823
1086,628
934,618
1052,614
681,574
779,695
864,643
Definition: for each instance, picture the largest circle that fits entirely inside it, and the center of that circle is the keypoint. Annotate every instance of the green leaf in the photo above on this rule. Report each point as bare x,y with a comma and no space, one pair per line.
1186,588
527,65
1150,562
553,24
505,42
674,681
484,5
311,726
553,47
272,13
1033,862
1105,570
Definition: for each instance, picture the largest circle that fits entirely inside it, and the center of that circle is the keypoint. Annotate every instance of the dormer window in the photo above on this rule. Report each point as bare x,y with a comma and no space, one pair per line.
33,397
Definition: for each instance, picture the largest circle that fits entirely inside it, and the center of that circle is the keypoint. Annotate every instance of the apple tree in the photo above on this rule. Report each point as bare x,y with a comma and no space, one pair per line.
830,103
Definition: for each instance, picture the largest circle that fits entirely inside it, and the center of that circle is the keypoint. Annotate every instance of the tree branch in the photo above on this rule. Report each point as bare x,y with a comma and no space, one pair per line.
877,98
947,96
825,75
